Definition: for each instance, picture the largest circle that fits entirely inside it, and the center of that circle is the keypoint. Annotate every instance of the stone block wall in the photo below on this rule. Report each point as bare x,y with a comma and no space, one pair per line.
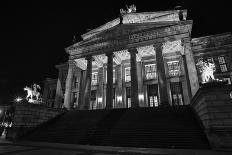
213,105
29,116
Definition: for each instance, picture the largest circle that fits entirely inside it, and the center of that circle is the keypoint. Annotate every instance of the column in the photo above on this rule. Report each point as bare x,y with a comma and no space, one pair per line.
59,93
191,67
134,79
87,88
81,90
161,76
109,87
68,87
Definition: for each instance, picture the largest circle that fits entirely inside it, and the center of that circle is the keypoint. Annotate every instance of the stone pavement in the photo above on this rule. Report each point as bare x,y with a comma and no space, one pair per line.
38,148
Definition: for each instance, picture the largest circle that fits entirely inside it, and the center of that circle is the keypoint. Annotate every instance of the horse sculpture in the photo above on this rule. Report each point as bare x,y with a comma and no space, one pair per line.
31,93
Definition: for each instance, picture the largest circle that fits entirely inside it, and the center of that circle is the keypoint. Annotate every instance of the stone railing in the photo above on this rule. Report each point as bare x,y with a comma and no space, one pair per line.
29,116
213,105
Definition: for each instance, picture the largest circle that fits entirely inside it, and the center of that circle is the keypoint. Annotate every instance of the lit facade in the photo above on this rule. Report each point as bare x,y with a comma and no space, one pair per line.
147,61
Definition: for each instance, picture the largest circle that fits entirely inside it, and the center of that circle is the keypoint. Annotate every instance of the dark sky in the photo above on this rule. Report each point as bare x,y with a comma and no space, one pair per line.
33,35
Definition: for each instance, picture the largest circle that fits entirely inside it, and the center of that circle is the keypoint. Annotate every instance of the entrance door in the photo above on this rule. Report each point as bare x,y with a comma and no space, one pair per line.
93,103
152,94
177,95
128,97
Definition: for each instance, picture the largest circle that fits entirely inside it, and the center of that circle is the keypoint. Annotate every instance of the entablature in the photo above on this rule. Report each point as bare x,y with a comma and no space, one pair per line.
134,40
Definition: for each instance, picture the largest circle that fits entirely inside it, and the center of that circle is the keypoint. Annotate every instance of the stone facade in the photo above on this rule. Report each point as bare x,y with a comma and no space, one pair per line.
148,61
29,116
49,92
212,104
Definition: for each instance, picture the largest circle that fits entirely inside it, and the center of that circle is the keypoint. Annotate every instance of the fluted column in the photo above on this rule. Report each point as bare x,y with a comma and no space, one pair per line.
109,92
68,87
161,75
87,90
134,79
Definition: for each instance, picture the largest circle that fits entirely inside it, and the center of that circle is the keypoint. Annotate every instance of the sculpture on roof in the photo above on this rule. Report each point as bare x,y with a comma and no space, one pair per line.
206,69
130,9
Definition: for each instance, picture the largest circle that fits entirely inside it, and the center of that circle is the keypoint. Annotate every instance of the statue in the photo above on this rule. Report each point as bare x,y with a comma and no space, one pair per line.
206,69
130,9
33,92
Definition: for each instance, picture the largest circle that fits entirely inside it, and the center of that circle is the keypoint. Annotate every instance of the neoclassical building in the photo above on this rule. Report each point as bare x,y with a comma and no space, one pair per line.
139,60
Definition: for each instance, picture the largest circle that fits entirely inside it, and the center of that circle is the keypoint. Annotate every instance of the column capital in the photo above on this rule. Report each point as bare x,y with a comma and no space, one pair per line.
158,46
133,50
89,57
109,54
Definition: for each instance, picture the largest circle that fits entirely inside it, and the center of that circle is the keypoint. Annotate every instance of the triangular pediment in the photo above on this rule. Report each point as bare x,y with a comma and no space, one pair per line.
122,31
145,17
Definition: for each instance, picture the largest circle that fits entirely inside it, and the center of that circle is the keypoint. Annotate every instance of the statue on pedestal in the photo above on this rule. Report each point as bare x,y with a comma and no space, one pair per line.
31,92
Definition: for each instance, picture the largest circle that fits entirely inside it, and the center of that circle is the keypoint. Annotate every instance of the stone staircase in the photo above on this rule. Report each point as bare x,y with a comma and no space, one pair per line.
162,127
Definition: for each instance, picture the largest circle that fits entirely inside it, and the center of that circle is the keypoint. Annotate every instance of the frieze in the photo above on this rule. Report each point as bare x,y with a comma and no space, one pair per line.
212,41
139,37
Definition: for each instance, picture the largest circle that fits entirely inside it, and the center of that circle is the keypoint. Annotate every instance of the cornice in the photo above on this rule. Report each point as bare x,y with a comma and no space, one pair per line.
182,27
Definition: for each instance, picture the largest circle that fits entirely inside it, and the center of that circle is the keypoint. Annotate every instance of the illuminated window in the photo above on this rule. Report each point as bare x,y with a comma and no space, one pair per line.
173,68
113,76
222,63
94,78
128,97
150,71
127,74
177,96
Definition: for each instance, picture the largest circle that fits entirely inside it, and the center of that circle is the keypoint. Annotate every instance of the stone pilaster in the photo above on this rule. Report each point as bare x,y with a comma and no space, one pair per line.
134,79
161,75
109,92
87,88
59,93
191,68
68,87
81,90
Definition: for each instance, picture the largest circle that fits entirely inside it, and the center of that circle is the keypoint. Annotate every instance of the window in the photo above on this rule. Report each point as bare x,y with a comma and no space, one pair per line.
127,74
113,76
176,90
173,68
150,71
128,97
152,92
94,78
222,63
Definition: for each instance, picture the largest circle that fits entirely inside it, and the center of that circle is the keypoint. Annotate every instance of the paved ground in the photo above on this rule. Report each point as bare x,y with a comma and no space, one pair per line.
37,148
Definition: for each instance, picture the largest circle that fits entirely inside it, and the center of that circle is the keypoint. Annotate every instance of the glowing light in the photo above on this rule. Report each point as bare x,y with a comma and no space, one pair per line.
99,100
119,98
18,99
141,97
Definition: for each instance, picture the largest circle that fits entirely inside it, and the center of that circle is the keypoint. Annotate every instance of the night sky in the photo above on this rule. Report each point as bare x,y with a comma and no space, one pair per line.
34,35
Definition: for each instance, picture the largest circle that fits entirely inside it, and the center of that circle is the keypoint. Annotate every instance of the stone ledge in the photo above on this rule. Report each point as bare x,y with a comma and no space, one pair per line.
213,105
29,116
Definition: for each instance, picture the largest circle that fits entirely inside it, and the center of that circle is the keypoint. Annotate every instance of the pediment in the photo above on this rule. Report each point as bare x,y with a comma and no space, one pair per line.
122,31
144,17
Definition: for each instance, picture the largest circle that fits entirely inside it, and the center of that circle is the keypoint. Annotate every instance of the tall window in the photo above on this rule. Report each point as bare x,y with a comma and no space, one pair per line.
176,90
222,63
150,71
127,74
173,68
128,97
94,78
113,76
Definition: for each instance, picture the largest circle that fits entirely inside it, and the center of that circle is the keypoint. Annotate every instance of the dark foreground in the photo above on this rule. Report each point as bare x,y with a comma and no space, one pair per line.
35,148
